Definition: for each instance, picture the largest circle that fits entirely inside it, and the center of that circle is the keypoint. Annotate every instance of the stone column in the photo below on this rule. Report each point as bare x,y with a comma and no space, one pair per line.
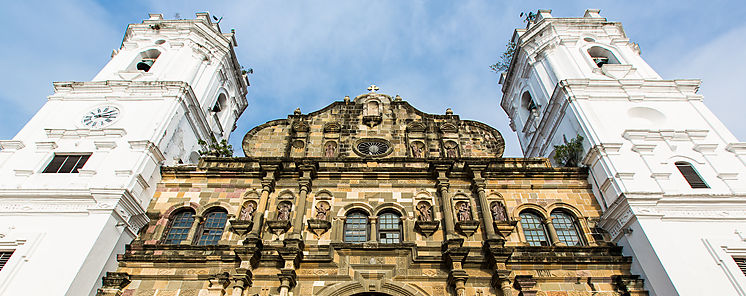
479,185
239,284
373,229
192,231
443,185
268,183
505,287
552,232
305,186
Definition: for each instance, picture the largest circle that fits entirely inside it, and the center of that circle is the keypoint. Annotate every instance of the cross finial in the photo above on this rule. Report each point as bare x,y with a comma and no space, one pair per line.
373,88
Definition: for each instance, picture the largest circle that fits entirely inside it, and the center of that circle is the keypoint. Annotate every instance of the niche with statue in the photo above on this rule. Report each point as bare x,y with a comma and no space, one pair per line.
319,223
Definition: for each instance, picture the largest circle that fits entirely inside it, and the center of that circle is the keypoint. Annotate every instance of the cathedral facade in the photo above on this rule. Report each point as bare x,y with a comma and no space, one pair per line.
370,196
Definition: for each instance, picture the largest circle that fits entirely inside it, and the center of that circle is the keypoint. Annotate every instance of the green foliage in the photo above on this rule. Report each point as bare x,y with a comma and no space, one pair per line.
505,59
217,149
568,154
529,17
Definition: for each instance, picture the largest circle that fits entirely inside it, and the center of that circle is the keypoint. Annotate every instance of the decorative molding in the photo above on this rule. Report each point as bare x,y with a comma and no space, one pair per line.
660,176
11,145
84,133
105,145
644,148
728,176
46,145
705,148
23,173
736,148
143,145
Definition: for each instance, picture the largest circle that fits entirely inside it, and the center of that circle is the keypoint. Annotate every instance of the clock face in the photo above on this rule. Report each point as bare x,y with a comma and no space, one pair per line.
100,116
372,148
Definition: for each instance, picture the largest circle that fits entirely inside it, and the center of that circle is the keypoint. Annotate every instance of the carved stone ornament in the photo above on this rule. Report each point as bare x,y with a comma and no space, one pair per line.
372,120
318,226
426,228
505,228
467,227
278,226
241,227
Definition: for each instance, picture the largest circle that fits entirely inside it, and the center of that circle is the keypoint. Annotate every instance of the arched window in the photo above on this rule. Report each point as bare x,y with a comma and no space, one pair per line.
567,228
527,101
389,228
602,56
691,175
211,228
220,103
356,227
533,229
179,226
146,59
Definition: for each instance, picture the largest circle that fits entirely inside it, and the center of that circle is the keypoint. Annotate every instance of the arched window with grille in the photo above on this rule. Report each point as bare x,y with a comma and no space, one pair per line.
356,227
178,227
691,175
533,229
211,228
389,228
567,228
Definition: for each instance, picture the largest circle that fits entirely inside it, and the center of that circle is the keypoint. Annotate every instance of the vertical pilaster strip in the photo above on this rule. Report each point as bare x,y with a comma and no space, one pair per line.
268,183
193,230
552,232
443,185
479,185
304,185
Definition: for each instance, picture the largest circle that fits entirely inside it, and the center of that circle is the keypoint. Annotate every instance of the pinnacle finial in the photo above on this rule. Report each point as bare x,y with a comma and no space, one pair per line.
449,111
373,88
297,111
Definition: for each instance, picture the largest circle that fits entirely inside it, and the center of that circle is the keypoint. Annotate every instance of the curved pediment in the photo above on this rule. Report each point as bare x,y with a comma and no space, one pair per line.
373,125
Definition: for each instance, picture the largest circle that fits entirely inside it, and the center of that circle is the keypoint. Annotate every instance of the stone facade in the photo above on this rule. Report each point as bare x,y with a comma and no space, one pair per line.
371,197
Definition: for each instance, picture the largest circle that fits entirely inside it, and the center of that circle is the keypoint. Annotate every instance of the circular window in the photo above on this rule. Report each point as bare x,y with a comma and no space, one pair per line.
372,147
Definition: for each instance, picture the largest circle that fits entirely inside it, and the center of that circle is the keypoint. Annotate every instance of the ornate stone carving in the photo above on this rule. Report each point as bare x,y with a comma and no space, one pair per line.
318,226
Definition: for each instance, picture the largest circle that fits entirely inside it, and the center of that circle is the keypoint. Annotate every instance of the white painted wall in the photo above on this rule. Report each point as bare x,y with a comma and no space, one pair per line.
636,126
66,229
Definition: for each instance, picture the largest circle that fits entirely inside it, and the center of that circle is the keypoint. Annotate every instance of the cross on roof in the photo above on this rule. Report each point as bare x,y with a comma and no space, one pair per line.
373,88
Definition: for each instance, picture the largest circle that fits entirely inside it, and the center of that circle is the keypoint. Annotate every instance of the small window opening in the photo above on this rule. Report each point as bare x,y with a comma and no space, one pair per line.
219,104
389,228
528,102
356,228
602,56
691,175
4,257
66,163
211,228
147,59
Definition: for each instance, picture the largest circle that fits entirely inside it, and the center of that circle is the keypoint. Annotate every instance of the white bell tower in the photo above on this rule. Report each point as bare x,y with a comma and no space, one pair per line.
668,174
76,180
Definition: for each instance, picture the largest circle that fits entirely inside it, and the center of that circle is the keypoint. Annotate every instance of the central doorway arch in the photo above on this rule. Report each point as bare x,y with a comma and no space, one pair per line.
371,294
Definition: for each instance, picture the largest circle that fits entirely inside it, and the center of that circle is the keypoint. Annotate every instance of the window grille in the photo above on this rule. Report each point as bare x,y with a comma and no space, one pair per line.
212,228
567,228
389,228
66,163
179,228
691,175
4,257
356,228
533,229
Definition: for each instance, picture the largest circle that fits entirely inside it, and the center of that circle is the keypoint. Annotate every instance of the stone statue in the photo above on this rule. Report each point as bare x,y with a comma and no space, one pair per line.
247,213
464,211
322,209
417,149
451,150
283,211
330,149
425,211
498,212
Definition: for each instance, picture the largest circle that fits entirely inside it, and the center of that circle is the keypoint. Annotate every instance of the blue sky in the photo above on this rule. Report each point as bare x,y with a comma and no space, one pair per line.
306,54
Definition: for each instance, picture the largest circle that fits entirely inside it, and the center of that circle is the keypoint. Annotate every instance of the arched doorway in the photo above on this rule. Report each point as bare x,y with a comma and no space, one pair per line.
371,294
